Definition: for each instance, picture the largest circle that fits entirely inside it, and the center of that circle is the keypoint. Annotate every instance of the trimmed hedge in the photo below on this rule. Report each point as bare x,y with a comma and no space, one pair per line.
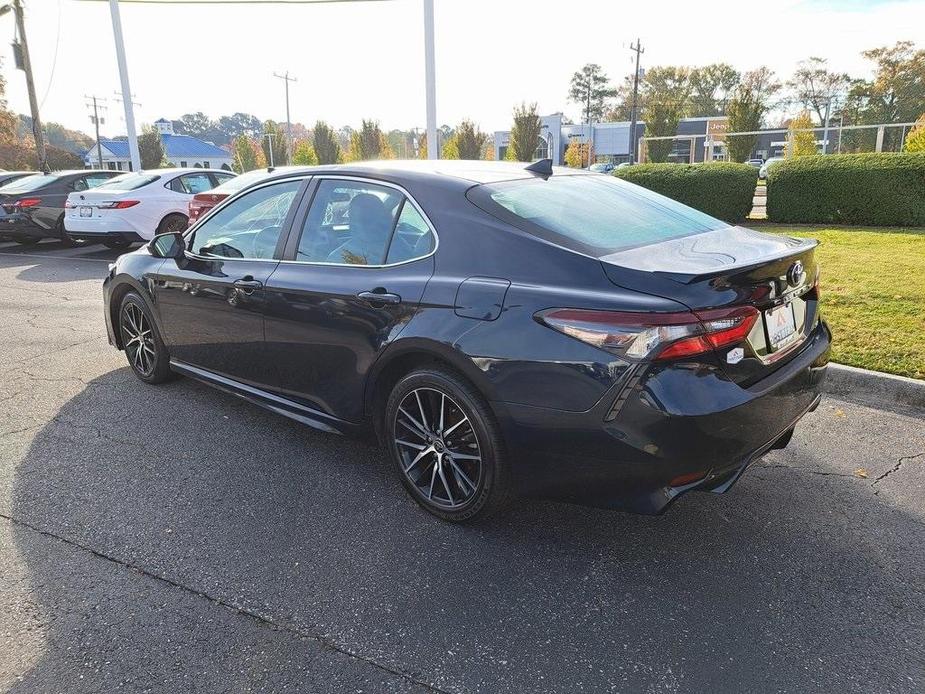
720,189
881,189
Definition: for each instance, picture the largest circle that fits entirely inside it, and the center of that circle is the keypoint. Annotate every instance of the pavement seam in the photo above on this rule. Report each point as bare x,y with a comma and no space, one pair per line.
324,642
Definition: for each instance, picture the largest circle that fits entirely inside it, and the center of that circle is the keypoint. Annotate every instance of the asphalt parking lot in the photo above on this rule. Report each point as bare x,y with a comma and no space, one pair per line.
176,538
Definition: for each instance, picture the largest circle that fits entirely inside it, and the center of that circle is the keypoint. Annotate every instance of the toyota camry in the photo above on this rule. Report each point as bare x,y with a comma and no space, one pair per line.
500,329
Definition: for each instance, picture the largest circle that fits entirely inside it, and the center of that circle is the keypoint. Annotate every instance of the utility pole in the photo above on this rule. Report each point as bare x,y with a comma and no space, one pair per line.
287,79
269,137
639,50
430,79
24,63
96,123
126,89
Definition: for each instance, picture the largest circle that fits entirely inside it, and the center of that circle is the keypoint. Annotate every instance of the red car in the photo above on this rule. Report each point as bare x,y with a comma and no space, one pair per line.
203,202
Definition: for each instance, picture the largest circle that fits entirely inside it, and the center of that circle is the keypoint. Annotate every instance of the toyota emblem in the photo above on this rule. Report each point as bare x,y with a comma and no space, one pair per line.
796,274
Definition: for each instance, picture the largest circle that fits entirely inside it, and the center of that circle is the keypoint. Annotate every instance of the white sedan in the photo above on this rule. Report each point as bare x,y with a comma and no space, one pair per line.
136,206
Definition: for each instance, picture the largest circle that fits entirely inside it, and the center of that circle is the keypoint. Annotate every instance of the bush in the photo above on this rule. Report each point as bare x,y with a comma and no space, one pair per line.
882,189
722,190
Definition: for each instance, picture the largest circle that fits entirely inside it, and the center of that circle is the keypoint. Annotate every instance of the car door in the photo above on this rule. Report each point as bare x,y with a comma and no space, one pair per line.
359,256
211,301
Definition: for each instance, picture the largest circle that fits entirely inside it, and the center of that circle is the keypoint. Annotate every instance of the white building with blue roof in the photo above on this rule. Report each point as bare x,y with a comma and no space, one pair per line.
181,151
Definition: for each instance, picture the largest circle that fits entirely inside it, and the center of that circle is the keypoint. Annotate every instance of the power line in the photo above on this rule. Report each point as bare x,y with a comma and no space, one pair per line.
236,2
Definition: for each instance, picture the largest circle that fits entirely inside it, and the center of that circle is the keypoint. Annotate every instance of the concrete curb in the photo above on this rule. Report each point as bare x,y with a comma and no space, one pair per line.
875,389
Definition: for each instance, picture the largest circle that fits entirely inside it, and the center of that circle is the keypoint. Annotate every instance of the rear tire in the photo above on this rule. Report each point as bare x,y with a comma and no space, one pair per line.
27,242
446,446
145,350
63,236
173,223
117,244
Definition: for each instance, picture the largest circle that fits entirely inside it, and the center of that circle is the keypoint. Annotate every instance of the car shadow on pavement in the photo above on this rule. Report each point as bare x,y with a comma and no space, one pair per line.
171,516
58,269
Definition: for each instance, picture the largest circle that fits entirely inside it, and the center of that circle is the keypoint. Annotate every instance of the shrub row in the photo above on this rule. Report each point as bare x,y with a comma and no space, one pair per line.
723,190
881,189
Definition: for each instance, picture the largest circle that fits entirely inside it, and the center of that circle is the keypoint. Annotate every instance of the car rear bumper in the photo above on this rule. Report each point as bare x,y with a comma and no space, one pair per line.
101,228
662,432
21,226
93,237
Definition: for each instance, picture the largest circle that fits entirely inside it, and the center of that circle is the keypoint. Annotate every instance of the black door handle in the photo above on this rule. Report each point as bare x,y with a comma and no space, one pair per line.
248,286
379,298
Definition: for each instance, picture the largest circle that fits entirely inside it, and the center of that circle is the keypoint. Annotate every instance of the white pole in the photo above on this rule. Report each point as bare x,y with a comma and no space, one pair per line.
126,90
433,147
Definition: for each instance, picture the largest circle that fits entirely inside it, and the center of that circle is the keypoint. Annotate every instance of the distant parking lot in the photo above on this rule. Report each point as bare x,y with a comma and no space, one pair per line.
176,538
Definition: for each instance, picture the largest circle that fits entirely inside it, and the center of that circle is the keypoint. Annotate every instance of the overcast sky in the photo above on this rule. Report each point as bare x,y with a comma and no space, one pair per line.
365,59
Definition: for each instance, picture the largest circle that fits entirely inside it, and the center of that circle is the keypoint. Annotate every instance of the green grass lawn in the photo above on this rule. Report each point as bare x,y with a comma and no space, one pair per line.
873,294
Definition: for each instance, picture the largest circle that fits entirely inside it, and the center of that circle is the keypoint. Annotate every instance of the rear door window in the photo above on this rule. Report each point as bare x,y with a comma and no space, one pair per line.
190,184
350,223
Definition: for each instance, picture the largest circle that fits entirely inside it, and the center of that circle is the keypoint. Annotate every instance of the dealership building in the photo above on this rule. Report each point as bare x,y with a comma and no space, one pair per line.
696,140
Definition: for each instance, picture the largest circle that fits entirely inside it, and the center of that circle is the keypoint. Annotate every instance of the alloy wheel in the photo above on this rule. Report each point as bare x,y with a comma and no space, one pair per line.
438,448
138,339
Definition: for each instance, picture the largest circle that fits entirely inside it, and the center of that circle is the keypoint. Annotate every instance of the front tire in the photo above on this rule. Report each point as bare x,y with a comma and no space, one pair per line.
145,350
446,446
27,241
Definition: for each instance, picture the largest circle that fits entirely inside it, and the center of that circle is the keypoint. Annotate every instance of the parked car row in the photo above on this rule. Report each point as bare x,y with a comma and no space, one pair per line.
109,207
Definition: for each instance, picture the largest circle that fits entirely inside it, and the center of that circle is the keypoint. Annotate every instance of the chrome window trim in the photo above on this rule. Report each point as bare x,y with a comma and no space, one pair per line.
386,184
223,203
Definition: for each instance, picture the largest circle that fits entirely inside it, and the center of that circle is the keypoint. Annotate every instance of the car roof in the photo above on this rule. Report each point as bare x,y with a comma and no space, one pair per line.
173,171
463,173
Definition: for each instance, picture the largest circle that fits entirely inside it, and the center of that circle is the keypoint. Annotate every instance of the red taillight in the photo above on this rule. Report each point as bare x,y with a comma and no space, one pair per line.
654,335
118,204
722,327
23,203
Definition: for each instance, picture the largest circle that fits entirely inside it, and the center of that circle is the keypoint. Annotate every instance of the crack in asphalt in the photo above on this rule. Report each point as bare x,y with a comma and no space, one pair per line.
895,468
323,641
45,354
774,466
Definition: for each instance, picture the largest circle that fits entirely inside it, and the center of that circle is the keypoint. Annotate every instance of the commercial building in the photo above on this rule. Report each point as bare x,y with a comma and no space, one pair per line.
696,140
180,150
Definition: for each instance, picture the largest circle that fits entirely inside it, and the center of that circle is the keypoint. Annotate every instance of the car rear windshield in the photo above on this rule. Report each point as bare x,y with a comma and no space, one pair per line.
596,215
132,181
28,184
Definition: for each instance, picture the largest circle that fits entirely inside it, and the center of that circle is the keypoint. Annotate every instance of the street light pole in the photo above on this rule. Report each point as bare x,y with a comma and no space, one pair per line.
287,79
639,49
433,148
126,90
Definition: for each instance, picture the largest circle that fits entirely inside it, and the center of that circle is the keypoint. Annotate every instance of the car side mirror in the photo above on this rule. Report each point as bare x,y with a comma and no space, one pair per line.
170,245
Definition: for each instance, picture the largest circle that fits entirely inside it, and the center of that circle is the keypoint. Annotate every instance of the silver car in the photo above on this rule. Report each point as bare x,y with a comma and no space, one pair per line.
763,171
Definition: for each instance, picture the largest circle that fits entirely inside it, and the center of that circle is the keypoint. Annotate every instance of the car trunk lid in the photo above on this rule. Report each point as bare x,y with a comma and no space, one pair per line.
726,268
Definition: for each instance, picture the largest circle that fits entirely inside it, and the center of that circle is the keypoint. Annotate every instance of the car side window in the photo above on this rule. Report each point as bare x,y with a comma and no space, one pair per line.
190,184
247,227
355,223
412,237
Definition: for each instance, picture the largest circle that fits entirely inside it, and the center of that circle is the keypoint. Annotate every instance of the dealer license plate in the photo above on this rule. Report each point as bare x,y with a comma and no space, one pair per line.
782,329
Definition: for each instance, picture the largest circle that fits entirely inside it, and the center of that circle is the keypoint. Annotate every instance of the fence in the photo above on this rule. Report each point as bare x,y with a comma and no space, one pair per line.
835,139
